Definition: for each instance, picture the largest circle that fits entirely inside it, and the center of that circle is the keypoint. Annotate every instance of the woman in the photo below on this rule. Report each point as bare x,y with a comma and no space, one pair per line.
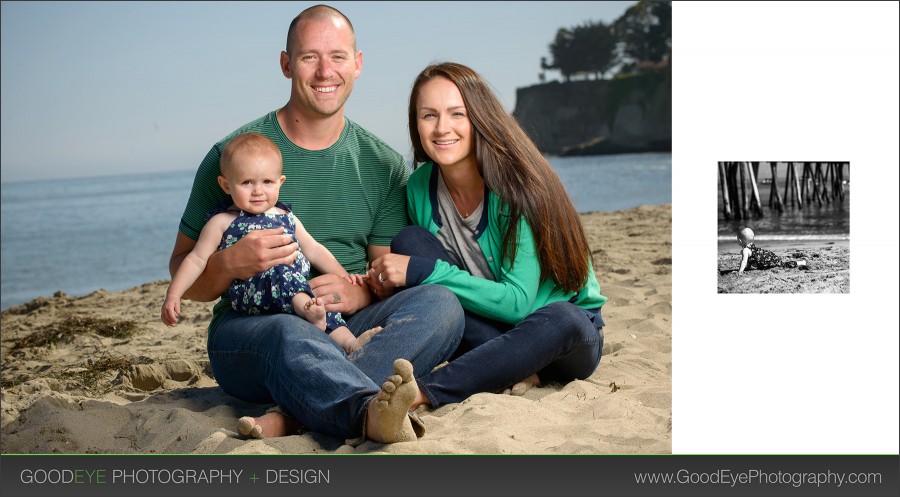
496,227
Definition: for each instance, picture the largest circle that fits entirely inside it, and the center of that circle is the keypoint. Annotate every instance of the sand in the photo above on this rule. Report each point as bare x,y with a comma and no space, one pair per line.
94,386
828,261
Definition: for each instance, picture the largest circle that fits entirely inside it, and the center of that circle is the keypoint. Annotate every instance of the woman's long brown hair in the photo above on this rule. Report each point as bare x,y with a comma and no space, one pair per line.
514,169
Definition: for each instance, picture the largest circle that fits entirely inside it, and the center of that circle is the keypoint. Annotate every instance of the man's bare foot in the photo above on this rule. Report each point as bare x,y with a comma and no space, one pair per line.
270,424
523,386
388,417
247,426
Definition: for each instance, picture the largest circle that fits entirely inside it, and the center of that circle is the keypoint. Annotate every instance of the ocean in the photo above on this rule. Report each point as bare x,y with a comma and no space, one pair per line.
812,222
117,232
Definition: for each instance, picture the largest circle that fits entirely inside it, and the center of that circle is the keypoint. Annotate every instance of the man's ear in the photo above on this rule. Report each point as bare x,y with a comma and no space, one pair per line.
358,60
285,63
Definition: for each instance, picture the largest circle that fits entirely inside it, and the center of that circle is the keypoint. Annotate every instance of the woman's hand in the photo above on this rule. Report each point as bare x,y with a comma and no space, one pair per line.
387,273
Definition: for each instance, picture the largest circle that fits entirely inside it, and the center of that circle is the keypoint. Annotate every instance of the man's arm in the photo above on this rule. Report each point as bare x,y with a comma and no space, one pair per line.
376,251
255,252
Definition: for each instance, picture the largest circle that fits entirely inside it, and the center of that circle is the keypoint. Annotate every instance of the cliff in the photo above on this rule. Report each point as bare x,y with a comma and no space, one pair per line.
624,115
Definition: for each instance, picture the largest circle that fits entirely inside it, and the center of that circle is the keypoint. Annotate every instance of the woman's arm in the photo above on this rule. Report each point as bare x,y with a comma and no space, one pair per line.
510,297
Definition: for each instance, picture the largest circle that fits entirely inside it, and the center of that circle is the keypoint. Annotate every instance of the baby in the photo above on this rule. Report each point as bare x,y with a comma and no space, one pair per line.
251,174
753,257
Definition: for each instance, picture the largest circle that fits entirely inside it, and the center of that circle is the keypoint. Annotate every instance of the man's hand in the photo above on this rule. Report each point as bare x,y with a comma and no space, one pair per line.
340,294
258,251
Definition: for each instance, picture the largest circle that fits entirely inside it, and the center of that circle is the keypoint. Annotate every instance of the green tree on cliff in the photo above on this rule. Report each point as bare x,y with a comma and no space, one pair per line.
588,48
644,32
598,47
562,54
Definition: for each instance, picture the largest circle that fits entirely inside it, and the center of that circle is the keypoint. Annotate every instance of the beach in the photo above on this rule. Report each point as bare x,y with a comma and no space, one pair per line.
828,262
101,374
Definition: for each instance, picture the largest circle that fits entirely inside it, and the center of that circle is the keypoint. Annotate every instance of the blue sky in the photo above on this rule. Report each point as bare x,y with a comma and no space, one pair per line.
97,88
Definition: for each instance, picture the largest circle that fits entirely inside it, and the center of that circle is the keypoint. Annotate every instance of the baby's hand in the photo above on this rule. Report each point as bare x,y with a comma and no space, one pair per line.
170,311
356,279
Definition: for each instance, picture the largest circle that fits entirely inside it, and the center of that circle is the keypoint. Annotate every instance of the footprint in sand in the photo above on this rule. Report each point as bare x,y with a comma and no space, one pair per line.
149,377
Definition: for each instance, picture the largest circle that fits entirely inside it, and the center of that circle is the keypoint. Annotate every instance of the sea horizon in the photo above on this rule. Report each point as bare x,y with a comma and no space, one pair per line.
791,237
119,229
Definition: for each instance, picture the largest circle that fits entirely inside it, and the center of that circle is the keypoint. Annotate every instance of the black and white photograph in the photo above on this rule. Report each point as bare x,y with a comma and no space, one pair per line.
784,227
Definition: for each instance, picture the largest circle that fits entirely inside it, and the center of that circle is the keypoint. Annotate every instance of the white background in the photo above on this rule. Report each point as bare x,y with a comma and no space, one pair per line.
785,374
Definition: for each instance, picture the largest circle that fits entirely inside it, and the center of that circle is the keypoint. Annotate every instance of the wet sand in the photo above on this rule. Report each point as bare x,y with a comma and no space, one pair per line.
828,261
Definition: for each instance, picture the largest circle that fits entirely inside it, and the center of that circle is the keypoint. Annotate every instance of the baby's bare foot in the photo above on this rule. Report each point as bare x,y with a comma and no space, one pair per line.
363,339
312,310
388,420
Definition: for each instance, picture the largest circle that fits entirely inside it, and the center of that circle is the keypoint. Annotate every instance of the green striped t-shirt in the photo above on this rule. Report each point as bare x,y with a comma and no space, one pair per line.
348,196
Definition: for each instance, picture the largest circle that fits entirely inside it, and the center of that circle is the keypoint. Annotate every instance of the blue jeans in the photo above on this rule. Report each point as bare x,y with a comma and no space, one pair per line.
559,342
283,359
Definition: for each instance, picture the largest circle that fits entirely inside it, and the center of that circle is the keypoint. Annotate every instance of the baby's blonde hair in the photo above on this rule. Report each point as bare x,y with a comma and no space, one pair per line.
247,143
745,234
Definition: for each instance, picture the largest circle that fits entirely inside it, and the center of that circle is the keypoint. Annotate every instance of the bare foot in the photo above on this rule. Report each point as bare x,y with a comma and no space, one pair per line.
310,309
247,426
270,424
388,417
523,386
363,339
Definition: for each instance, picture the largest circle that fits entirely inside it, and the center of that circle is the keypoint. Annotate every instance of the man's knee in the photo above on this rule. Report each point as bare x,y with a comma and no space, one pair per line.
279,328
441,309
443,299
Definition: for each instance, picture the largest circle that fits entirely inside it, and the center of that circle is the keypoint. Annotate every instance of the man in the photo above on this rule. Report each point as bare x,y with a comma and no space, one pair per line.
349,190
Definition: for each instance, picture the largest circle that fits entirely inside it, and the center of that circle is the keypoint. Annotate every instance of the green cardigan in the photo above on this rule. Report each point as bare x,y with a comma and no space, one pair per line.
517,291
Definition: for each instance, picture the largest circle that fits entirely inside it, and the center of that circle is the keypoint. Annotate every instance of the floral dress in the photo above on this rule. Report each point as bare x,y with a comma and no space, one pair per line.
270,291
765,259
